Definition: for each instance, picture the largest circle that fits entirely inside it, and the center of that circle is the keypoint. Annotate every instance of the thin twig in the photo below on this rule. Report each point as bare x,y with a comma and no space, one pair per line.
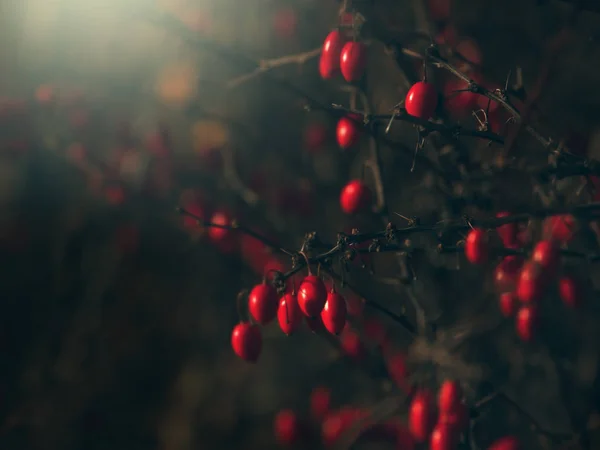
270,64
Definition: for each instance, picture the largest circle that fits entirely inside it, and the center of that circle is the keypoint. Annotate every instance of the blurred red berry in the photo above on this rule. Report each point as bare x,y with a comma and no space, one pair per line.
355,197
320,402
527,321
477,246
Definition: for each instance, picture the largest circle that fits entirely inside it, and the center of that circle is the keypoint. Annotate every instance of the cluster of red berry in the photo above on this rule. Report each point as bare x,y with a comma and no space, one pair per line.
439,427
523,283
320,309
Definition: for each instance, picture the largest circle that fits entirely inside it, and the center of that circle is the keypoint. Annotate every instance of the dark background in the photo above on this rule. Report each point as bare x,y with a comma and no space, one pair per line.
116,319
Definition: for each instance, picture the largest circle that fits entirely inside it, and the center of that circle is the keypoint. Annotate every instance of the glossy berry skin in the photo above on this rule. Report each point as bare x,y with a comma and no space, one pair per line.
449,396
560,229
320,402
329,62
527,321
531,283
263,303
507,232
353,61
334,313
443,437
355,198
287,427
312,296
347,132
507,272
421,100
545,253
246,341
421,416
570,291
506,443
289,314
477,246
509,303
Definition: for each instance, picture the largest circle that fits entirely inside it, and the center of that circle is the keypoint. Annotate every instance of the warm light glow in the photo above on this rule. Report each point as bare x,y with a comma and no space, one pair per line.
208,134
177,83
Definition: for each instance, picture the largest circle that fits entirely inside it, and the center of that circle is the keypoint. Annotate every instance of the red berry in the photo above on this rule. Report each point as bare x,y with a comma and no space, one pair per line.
262,303
443,437
246,341
347,132
458,418
477,246
508,304
289,315
334,313
507,272
320,402
397,370
352,345
421,416
338,422
507,232
421,100
375,331
312,296
570,291
506,443
546,254
450,396
220,233
287,427
458,100
329,62
531,283
355,197
527,321
560,229
353,61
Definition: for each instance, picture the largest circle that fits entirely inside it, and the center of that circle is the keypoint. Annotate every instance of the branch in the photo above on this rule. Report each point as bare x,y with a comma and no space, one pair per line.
270,64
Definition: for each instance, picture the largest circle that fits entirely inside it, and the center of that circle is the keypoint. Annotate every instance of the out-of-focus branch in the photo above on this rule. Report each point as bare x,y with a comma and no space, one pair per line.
270,64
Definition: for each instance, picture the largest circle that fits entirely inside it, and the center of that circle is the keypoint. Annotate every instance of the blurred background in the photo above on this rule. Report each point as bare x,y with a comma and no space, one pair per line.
117,312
